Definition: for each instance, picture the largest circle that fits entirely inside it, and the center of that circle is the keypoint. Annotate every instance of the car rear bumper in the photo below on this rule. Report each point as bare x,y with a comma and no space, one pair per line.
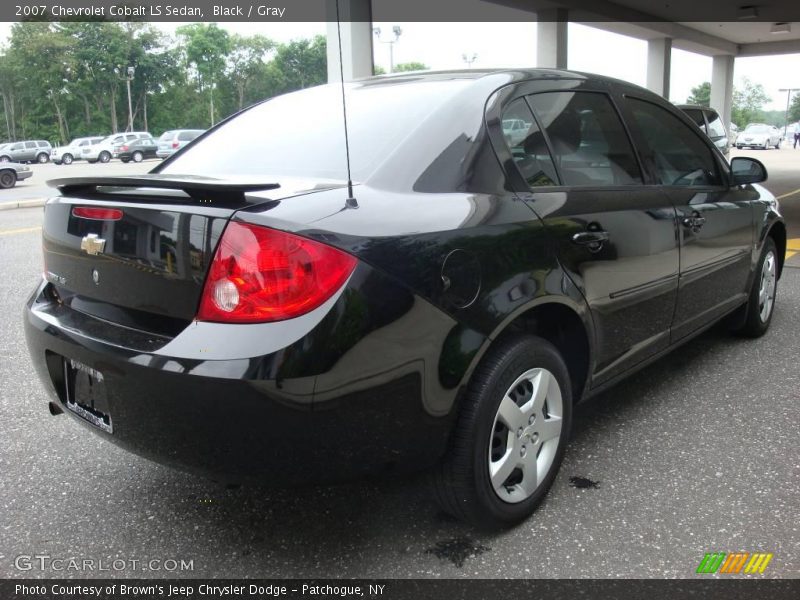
23,175
255,417
164,153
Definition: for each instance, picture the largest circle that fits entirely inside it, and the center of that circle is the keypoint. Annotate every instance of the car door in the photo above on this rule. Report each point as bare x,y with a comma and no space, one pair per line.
715,218
614,236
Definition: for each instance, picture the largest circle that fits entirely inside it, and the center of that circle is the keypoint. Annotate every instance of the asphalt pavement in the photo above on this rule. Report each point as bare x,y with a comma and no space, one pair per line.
698,453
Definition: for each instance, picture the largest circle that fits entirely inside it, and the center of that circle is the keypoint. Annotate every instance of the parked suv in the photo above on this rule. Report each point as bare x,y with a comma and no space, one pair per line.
172,141
107,149
27,151
711,123
74,150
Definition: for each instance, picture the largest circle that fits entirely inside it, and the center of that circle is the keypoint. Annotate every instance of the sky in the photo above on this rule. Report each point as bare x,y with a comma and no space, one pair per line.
443,46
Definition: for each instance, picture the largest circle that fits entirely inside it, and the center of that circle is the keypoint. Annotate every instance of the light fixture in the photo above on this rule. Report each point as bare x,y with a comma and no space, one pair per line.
747,12
780,28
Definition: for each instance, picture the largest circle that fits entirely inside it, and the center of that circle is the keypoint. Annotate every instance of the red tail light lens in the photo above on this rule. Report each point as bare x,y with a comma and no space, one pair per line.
260,274
97,214
124,148
175,144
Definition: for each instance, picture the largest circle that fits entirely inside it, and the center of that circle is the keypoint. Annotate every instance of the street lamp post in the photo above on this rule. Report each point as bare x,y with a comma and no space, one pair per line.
469,59
788,101
397,33
131,71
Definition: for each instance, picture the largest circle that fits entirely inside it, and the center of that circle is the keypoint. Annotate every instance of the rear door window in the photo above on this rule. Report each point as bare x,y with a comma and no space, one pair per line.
716,129
588,141
527,146
677,154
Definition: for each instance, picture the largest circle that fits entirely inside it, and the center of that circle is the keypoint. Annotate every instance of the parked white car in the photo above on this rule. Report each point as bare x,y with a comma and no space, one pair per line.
759,135
77,149
107,149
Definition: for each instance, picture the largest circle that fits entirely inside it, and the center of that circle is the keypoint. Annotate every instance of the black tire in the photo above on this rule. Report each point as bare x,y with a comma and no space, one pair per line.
8,179
91,161
104,157
462,484
67,159
754,325
137,157
42,158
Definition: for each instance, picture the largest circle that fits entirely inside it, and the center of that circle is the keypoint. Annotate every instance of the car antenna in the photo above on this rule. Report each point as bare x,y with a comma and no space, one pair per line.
350,201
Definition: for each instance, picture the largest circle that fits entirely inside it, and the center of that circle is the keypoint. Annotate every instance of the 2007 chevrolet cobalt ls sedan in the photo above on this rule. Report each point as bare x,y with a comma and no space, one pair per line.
242,315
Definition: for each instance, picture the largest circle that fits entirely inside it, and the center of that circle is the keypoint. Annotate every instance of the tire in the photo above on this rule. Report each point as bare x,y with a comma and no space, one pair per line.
5,159
67,159
104,157
137,157
759,309
42,158
778,145
483,440
91,161
8,179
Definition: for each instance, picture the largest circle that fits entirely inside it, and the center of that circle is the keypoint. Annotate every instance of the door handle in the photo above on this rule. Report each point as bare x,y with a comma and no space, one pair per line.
695,222
593,240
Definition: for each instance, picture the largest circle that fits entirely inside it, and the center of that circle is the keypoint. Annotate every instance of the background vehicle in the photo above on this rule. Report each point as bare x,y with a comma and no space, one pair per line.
709,121
73,151
137,150
445,311
172,141
759,135
27,151
105,150
10,173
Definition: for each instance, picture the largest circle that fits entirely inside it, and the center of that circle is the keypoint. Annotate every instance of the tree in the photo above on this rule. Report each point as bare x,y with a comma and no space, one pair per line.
206,47
701,95
302,63
794,108
246,61
748,102
411,66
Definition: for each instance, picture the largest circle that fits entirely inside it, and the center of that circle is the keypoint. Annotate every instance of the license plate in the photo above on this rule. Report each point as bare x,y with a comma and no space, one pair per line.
86,394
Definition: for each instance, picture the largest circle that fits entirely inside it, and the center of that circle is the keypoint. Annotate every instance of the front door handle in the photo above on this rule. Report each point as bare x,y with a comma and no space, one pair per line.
593,240
695,222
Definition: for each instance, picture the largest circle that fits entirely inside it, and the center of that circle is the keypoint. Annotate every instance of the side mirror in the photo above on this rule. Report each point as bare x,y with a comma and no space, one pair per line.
747,170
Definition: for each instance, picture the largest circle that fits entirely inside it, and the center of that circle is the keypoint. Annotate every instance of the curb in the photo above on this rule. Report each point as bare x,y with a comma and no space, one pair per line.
23,204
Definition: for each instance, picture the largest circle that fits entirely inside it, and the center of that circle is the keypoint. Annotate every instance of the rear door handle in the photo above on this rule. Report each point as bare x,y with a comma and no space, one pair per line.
593,240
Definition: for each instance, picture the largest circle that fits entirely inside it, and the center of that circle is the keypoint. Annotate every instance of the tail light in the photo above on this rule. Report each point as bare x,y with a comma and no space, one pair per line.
175,144
97,214
260,274
124,148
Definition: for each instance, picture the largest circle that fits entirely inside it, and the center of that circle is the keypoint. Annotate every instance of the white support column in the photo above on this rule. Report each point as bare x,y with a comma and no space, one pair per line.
722,86
659,62
551,38
356,25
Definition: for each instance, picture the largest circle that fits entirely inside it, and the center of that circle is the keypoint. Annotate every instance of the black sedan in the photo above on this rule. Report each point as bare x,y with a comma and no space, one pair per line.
137,150
439,301
10,173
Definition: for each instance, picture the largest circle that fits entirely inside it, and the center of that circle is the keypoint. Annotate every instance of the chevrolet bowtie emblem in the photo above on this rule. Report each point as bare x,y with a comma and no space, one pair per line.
93,244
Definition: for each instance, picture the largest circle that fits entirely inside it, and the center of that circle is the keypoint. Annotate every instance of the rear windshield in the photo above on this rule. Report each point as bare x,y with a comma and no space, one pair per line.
302,134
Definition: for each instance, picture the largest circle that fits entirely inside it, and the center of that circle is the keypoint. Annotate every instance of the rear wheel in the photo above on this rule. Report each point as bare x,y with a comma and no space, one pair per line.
8,179
67,159
104,157
42,158
761,302
510,436
137,156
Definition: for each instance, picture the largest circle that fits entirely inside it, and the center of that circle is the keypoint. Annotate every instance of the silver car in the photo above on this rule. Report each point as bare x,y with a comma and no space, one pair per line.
175,139
27,151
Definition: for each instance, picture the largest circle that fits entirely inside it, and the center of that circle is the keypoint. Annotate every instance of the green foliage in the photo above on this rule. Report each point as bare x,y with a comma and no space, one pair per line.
410,66
748,102
64,80
794,107
701,95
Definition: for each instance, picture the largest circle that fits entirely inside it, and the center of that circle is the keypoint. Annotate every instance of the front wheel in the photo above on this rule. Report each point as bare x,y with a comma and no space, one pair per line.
67,159
137,156
510,437
8,179
761,301
104,157
778,145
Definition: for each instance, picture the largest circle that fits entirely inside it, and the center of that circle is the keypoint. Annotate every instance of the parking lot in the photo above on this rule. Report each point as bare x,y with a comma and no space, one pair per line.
698,453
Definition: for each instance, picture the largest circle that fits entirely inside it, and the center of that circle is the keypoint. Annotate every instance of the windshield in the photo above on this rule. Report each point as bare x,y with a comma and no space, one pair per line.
302,134
757,129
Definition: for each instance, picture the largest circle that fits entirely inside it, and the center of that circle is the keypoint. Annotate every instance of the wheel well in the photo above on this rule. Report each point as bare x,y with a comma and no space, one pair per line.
562,327
778,235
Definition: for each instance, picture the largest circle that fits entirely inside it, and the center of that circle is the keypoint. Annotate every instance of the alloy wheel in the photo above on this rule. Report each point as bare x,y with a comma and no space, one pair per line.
766,291
525,435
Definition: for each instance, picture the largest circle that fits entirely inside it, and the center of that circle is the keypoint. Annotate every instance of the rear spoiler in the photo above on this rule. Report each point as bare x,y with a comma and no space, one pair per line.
203,189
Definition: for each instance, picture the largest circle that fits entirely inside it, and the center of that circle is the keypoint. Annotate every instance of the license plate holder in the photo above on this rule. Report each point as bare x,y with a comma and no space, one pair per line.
86,394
